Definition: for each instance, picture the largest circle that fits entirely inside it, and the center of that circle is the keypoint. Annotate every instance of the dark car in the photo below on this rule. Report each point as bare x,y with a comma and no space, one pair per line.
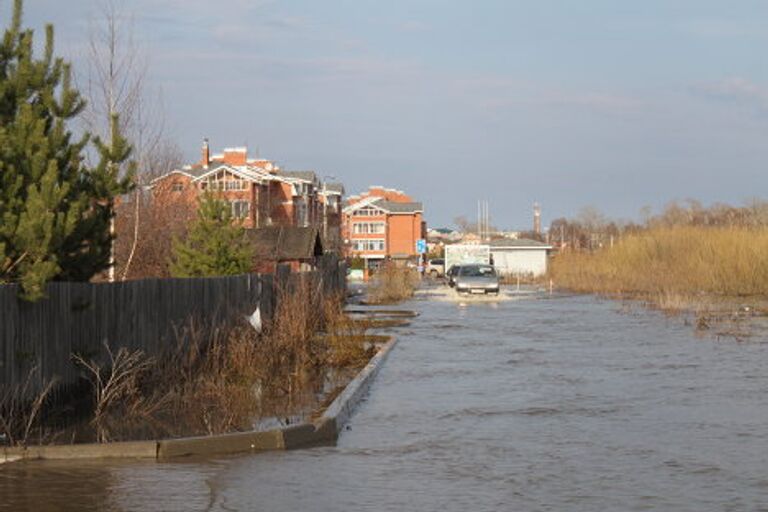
480,279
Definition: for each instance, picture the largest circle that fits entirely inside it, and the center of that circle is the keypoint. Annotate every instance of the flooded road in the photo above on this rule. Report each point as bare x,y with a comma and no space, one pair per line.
532,403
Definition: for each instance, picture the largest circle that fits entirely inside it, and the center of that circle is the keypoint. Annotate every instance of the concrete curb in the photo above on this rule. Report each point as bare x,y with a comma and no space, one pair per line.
322,432
128,449
344,406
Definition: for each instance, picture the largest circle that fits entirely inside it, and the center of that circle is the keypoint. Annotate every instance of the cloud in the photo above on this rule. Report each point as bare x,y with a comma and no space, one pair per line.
738,90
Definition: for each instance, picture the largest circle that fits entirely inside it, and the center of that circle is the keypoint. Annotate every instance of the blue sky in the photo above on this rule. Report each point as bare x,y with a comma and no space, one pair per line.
613,104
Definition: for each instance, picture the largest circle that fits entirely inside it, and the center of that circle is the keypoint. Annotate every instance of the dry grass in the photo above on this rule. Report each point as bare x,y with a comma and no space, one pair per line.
20,411
392,284
215,380
113,383
346,338
677,266
224,380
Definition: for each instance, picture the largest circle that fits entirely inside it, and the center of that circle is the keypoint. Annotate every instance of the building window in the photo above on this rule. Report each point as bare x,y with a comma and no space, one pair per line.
220,182
368,245
234,185
177,187
369,212
368,228
240,209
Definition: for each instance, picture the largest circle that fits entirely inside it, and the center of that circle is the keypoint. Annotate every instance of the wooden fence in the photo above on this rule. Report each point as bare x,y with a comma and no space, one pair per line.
144,314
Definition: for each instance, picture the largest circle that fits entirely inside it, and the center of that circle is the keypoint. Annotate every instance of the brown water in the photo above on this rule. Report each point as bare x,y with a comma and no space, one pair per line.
534,403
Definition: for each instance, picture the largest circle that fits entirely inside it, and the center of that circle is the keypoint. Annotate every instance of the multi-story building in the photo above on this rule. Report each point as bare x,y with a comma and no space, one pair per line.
382,224
259,192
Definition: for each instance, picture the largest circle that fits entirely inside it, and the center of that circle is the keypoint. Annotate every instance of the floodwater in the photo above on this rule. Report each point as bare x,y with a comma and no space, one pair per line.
529,403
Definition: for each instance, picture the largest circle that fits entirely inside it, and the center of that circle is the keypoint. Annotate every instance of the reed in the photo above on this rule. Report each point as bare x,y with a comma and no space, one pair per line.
673,266
225,379
392,284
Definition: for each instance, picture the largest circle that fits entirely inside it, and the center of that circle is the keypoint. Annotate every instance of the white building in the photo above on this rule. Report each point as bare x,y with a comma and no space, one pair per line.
520,256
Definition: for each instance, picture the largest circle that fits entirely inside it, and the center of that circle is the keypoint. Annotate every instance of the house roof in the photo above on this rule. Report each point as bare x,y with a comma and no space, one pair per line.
334,188
518,243
309,176
395,207
383,204
242,171
352,203
280,243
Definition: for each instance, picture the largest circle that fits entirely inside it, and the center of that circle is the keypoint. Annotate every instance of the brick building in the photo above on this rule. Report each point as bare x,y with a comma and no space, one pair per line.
260,193
381,224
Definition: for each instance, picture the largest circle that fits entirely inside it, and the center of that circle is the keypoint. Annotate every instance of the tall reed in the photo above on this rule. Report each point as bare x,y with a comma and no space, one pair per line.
671,261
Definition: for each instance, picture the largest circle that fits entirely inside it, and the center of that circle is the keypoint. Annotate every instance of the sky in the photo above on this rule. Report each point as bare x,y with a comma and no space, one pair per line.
617,105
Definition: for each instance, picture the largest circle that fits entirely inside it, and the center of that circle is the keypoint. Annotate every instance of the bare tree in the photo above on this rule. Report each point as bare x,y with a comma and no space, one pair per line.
116,83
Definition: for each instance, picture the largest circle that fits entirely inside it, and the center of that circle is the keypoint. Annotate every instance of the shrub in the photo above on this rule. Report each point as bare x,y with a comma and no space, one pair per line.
392,284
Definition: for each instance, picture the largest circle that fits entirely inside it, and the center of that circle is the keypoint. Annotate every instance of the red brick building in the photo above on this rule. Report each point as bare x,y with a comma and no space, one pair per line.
259,192
381,224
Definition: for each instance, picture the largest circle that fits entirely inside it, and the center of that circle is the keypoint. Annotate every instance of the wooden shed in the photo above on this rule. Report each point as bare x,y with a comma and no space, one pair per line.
297,246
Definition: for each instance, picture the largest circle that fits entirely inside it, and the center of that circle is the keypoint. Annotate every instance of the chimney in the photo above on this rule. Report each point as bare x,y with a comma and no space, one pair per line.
206,160
536,218
236,156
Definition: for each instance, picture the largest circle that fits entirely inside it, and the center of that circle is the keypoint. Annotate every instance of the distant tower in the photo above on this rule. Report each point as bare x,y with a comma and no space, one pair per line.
206,157
536,218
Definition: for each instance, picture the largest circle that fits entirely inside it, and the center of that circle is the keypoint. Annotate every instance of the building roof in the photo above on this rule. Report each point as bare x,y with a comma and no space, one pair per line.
334,188
395,207
518,243
192,172
309,176
281,243
383,204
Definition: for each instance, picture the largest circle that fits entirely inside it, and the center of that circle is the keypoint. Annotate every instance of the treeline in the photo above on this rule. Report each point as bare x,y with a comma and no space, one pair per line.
591,230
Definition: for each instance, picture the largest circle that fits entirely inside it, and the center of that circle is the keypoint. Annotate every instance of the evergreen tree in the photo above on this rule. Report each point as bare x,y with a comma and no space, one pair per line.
214,245
55,211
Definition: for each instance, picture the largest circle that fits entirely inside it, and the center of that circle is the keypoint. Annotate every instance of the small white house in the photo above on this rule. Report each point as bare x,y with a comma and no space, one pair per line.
520,256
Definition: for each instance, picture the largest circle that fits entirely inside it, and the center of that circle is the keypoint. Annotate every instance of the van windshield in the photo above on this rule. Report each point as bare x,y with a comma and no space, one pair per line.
477,271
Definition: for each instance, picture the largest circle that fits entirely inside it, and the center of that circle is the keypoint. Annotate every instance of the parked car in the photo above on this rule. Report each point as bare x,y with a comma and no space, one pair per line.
477,279
451,274
436,268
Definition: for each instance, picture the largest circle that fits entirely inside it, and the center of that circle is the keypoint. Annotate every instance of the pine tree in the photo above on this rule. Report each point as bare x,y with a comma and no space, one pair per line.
54,210
214,245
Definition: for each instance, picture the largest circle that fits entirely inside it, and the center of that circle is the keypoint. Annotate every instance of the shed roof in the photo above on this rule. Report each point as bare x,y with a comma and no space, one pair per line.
280,243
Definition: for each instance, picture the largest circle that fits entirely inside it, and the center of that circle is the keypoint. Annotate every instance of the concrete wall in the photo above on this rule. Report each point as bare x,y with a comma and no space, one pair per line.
520,261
